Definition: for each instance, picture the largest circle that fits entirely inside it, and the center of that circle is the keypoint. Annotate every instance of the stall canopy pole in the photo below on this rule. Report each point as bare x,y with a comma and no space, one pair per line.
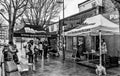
100,48
21,43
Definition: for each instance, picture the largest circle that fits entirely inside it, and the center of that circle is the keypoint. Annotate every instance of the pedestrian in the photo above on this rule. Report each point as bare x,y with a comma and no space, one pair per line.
26,49
36,51
7,53
30,54
9,61
45,47
103,51
40,45
15,56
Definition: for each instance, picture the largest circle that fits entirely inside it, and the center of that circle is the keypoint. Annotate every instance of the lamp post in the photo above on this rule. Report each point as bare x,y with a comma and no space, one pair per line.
62,2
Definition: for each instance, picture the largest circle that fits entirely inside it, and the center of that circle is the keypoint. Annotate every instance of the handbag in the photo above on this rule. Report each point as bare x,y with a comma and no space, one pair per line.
10,66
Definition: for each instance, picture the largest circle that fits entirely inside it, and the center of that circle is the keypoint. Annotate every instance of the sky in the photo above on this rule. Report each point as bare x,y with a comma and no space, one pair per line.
71,7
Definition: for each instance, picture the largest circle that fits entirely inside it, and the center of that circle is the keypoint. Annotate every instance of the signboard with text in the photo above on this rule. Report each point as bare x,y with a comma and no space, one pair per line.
113,17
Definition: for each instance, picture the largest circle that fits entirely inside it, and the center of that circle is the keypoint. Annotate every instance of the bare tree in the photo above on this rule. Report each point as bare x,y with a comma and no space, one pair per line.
11,11
41,12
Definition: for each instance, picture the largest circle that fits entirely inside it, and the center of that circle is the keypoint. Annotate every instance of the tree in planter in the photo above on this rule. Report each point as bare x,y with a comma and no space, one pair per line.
41,12
11,11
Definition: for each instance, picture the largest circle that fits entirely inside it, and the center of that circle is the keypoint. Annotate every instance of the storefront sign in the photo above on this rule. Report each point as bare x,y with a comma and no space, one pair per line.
113,17
30,30
78,19
79,31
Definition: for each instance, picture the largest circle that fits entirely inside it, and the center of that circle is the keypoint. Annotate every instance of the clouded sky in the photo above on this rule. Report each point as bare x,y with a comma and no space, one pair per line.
71,7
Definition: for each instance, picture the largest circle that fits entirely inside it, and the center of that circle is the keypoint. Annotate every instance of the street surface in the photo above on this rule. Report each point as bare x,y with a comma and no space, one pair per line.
55,67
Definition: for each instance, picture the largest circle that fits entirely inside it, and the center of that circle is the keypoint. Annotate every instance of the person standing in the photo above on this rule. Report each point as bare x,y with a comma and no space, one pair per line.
45,47
15,56
30,53
9,60
103,51
35,51
40,48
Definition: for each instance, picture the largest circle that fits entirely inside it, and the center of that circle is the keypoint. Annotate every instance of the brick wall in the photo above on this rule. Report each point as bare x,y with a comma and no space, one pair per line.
108,6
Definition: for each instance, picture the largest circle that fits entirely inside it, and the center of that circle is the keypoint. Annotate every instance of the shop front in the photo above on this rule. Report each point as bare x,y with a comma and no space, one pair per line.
96,29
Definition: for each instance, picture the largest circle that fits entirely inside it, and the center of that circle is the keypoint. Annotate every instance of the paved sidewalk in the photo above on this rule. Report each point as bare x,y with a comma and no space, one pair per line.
55,67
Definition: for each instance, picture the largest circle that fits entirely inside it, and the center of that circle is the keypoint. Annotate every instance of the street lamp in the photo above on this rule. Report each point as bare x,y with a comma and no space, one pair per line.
62,2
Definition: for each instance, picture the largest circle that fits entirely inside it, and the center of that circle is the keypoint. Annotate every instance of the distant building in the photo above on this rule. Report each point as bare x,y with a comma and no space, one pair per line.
4,33
88,9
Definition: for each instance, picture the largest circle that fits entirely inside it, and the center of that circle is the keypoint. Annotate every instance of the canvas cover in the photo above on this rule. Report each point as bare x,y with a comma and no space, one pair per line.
93,25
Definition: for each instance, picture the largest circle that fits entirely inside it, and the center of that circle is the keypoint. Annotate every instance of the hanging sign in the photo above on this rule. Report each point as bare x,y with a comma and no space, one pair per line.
31,30
79,31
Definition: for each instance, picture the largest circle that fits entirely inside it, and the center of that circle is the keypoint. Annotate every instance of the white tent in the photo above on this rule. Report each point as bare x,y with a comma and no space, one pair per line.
93,25
97,25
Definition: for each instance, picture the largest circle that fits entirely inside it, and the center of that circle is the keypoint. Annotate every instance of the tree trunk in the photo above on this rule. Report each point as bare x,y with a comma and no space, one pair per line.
10,33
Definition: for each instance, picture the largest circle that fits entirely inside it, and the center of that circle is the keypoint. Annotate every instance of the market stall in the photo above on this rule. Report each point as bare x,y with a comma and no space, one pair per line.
29,32
96,26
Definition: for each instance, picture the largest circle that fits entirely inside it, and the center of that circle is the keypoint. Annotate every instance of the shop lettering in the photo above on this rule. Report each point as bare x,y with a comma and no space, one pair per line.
80,31
114,17
30,30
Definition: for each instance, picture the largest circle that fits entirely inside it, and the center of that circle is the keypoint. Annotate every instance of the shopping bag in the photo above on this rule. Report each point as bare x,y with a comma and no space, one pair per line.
13,74
19,68
34,67
10,66
23,67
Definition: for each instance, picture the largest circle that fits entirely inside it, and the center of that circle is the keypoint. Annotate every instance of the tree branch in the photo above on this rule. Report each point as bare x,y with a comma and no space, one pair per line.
4,17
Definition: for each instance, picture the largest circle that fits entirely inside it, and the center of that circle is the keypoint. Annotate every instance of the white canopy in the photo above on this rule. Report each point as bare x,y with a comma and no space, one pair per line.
97,25
93,25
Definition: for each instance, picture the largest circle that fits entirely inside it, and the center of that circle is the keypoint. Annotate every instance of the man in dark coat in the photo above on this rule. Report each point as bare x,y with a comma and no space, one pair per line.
45,47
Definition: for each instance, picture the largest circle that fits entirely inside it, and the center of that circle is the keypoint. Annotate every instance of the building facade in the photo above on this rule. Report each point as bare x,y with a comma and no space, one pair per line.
54,38
88,9
4,34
